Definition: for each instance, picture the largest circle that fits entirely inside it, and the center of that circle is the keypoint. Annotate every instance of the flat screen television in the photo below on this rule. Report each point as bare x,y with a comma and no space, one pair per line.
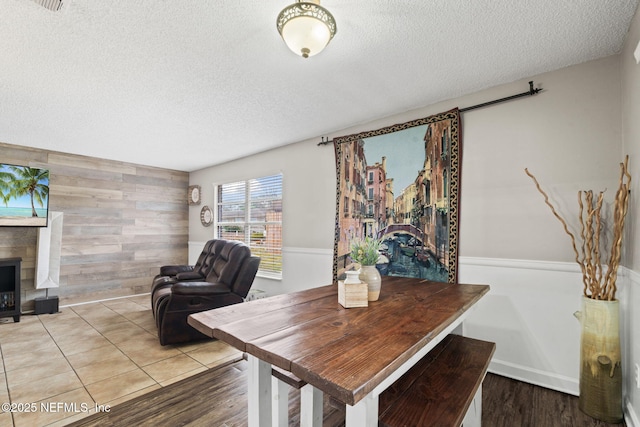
24,196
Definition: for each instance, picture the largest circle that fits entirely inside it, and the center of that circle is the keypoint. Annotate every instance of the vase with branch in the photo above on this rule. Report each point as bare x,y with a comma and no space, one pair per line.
600,356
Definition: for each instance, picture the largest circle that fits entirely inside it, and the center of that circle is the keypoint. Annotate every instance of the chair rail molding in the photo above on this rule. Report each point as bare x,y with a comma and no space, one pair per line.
529,314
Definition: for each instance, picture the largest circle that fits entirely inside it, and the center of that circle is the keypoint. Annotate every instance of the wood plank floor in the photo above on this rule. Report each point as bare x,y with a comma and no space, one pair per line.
509,403
218,398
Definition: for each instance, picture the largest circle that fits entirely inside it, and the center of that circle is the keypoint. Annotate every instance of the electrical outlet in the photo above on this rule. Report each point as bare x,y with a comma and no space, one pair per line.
637,376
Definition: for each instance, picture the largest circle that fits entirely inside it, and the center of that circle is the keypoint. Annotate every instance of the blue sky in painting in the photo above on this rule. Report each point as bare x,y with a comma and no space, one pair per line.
405,155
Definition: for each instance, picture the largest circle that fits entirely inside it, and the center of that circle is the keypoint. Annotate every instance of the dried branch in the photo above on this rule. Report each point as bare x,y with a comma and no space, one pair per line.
566,228
598,284
586,288
621,206
598,232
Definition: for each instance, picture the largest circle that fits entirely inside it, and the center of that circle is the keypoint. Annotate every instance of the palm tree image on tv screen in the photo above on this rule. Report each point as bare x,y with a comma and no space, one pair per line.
24,193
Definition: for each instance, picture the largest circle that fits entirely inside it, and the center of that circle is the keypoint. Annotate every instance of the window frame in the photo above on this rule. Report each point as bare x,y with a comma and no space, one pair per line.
248,224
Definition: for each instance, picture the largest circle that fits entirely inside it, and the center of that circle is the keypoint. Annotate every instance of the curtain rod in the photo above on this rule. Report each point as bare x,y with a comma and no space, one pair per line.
530,92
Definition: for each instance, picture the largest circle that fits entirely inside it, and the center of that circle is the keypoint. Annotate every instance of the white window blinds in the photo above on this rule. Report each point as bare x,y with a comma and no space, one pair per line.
251,211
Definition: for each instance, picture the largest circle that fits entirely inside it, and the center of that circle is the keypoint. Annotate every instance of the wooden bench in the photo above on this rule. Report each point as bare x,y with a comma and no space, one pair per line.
443,389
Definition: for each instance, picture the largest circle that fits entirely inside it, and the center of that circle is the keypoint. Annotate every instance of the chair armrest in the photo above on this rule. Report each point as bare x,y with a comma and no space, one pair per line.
200,288
188,275
172,270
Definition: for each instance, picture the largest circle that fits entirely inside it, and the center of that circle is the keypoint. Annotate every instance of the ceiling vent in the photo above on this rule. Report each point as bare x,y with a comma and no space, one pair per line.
53,5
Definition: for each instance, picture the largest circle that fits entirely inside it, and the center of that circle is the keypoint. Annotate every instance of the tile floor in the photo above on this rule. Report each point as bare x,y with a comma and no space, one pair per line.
58,367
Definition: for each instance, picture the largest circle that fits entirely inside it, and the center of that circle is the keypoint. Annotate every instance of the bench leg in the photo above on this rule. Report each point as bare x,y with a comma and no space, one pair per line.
473,417
280,400
310,406
259,396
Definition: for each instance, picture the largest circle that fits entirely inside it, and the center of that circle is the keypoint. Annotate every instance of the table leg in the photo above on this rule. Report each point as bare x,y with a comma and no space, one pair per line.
310,406
259,393
363,413
280,399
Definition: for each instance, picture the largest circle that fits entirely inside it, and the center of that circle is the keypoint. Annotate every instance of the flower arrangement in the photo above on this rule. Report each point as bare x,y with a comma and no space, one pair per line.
365,252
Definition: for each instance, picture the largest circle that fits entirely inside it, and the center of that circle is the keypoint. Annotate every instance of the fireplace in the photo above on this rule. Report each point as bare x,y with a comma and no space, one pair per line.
10,288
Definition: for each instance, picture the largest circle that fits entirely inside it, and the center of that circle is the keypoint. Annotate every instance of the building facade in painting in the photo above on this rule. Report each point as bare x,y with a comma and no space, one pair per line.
432,186
353,195
404,204
376,198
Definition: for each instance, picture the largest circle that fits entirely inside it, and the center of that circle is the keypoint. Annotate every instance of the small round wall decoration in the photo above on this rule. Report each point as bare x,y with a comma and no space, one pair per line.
194,194
206,216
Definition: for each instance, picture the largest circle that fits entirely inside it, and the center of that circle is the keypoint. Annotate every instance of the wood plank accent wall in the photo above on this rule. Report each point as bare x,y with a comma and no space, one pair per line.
121,222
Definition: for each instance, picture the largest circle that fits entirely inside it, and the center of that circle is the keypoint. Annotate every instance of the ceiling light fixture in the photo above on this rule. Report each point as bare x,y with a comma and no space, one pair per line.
306,27
54,5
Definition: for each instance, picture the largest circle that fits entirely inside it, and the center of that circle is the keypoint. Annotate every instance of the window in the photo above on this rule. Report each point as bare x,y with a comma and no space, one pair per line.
445,183
251,211
444,144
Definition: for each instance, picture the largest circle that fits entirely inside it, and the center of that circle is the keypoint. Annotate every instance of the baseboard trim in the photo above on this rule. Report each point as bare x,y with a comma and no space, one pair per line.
536,377
630,417
105,299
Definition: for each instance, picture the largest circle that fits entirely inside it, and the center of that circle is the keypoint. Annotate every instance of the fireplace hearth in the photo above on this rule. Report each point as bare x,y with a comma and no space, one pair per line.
10,288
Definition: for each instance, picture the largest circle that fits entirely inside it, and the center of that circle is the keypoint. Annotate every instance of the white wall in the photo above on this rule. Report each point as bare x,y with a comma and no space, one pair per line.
309,182
631,146
569,135
529,313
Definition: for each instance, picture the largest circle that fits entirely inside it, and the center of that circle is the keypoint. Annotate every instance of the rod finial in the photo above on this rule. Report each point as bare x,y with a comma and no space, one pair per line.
533,91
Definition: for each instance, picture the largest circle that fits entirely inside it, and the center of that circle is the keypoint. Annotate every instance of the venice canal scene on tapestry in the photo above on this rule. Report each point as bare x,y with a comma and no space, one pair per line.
400,186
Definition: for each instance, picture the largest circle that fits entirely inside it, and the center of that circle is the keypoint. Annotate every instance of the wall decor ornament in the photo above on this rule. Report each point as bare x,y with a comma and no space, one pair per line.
600,355
400,185
206,216
194,194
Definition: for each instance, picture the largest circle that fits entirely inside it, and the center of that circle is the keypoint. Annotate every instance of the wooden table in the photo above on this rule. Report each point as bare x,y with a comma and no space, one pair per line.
352,354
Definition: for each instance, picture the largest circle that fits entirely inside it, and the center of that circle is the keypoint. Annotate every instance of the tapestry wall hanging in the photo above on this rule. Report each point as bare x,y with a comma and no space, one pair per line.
400,185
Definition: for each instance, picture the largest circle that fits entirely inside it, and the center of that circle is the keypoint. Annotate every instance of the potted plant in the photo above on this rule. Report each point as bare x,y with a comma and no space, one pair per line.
365,252
600,359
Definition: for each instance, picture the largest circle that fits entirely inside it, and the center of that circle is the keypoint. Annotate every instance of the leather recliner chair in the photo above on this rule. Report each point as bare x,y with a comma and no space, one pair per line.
172,274
231,271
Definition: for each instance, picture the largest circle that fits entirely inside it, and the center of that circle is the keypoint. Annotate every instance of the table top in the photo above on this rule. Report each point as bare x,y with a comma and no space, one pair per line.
343,352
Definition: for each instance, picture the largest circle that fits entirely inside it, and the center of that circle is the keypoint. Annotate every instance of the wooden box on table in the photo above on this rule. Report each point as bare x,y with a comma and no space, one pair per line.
353,294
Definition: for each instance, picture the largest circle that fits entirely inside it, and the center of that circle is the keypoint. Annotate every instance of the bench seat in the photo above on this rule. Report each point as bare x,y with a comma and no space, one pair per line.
439,390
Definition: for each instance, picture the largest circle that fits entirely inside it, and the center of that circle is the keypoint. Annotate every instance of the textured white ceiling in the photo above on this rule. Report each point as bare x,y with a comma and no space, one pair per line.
189,84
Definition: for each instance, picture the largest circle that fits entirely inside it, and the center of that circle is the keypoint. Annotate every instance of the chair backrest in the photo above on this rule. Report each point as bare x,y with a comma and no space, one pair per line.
198,266
227,262
212,254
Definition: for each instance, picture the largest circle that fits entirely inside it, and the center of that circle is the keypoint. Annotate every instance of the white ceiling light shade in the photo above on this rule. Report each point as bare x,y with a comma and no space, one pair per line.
306,27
